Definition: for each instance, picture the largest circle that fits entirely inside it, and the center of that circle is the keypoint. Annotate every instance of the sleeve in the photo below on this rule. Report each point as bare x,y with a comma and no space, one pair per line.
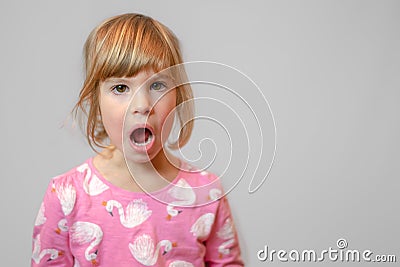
222,246
50,246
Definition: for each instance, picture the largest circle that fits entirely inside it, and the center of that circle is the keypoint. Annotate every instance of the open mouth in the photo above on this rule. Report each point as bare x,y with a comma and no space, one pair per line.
142,136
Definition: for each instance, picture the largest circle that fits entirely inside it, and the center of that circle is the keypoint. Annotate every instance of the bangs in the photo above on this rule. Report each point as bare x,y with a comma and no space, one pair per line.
124,47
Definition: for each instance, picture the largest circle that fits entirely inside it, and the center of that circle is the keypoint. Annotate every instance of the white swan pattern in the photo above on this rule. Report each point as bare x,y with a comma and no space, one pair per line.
184,194
62,226
143,249
40,218
214,194
38,254
180,264
92,185
226,233
66,193
223,248
136,212
86,232
202,227
172,212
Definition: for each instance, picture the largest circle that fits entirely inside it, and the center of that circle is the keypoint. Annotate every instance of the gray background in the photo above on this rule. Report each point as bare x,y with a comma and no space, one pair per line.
329,69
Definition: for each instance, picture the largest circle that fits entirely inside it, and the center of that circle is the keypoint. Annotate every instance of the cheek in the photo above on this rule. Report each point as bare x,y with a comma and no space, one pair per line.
166,109
113,119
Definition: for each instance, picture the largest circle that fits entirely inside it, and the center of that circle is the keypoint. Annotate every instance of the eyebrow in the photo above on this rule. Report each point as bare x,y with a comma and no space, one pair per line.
116,80
153,78
163,76
156,77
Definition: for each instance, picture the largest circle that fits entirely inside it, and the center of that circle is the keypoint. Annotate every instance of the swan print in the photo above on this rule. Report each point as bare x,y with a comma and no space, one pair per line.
40,218
180,264
62,226
144,252
227,234
92,185
135,214
87,233
39,254
184,195
226,231
223,249
172,212
214,194
202,227
66,193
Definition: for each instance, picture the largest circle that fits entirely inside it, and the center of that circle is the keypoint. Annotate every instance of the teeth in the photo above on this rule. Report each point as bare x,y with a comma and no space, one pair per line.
145,143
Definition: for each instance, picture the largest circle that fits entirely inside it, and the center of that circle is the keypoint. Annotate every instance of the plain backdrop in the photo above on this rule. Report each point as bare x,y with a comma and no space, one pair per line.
328,69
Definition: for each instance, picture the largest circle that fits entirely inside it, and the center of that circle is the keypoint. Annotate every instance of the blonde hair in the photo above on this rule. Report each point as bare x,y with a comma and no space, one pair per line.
122,46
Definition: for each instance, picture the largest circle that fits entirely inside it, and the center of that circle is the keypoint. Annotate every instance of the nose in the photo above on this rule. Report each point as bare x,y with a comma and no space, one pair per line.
141,103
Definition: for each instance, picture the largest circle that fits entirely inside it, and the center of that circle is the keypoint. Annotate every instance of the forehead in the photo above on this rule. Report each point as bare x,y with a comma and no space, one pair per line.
143,76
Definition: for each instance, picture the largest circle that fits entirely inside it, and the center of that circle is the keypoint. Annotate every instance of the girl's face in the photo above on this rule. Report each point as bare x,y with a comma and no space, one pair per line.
138,113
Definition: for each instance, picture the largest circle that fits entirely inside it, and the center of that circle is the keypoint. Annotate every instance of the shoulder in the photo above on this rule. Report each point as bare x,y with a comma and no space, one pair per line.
196,175
80,179
205,184
74,174
83,178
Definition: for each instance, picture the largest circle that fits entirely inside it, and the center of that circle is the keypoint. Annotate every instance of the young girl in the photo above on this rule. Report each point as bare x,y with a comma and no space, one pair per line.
134,203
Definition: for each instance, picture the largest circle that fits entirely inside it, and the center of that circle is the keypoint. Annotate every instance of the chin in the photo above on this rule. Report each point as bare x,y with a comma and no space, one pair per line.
135,158
146,157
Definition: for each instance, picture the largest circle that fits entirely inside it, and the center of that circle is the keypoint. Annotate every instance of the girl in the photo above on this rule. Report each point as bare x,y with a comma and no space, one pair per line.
134,203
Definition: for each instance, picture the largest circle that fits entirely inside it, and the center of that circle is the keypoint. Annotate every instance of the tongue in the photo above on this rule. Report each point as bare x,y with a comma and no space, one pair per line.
141,135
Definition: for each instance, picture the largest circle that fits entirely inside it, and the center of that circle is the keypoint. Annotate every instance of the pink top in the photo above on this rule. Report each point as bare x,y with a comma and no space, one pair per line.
86,221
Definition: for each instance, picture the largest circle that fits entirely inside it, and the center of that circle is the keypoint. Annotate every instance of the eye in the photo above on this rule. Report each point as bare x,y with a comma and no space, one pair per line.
158,86
120,89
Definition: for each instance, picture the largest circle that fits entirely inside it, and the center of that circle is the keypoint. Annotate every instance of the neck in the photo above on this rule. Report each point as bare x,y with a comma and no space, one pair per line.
151,175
